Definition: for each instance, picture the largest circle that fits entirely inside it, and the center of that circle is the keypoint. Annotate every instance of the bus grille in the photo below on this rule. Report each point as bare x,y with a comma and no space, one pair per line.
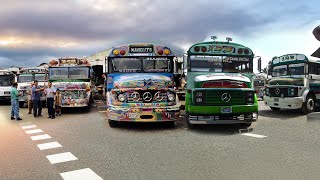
215,98
278,92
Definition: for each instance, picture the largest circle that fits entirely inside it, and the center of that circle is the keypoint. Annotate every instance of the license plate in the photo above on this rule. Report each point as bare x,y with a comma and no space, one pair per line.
276,99
133,115
7,92
226,110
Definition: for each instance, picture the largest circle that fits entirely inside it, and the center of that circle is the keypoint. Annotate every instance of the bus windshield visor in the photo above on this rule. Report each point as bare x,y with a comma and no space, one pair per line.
220,64
5,80
25,78
150,65
126,65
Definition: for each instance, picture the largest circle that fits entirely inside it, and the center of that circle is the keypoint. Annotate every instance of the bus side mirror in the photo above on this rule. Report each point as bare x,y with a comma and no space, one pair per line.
259,65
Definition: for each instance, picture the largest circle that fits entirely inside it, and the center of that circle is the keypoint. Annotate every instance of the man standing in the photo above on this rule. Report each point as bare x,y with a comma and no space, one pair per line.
29,97
50,91
15,102
36,99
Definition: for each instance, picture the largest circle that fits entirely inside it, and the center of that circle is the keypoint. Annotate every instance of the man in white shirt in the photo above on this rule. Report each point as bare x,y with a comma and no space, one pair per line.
50,92
29,98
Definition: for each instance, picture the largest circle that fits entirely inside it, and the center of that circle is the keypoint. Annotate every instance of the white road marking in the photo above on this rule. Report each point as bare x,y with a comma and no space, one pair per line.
40,137
28,127
49,145
61,157
25,123
81,174
253,135
34,131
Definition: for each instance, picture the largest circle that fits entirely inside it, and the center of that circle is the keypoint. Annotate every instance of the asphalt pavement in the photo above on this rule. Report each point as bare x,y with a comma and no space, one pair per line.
281,145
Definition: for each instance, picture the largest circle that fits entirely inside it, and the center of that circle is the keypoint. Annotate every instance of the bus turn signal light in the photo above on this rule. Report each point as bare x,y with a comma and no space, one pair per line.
116,52
166,51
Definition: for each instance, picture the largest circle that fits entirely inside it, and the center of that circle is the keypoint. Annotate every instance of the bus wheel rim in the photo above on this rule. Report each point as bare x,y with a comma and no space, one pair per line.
310,104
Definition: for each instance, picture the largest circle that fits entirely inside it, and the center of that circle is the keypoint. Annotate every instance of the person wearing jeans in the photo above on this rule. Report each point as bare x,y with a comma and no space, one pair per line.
36,99
50,91
15,102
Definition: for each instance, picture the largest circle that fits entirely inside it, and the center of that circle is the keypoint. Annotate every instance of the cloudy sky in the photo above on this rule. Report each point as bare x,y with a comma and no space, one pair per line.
35,31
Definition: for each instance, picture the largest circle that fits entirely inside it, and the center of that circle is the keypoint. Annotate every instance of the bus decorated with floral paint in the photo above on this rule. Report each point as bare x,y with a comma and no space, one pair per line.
73,77
26,77
220,84
140,84
295,83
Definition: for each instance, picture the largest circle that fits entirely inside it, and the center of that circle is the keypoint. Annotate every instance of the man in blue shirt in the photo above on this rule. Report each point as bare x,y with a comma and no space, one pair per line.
36,99
15,102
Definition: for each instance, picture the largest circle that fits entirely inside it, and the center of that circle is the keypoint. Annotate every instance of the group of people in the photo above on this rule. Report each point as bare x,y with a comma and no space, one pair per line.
34,92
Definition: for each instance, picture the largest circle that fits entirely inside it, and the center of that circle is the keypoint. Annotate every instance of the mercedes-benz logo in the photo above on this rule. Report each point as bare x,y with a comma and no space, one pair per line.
226,97
277,91
135,96
158,96
147,96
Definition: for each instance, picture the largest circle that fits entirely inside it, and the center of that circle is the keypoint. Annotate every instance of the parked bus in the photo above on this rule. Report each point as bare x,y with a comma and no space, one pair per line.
140,84
73,77
26,76
259,83
6,80
295,83
220,84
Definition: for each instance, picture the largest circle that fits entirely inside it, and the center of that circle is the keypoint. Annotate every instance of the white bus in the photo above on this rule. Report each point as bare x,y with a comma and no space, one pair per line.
6,80
295,83
25,77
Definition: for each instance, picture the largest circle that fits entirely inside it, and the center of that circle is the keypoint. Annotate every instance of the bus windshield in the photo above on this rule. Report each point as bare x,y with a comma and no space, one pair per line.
40,77
220,64
69,73
291,69
25,78
140,65
5,80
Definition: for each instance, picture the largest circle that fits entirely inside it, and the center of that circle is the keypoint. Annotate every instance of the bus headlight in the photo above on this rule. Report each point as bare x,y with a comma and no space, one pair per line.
199,94
199,100
249,97
122,97
171,97
291,91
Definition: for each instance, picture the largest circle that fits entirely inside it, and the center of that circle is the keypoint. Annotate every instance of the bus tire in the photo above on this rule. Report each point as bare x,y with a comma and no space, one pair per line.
275,109
113,124
170,124
244,125
310,105
190,126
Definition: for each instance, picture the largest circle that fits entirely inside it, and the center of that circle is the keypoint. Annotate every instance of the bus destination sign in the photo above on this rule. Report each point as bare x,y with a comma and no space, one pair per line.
140,49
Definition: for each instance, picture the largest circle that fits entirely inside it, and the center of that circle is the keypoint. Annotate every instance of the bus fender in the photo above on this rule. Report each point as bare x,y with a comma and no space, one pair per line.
305,94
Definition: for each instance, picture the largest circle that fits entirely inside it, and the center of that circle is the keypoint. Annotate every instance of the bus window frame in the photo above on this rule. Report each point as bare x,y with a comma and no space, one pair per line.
111,70
250,63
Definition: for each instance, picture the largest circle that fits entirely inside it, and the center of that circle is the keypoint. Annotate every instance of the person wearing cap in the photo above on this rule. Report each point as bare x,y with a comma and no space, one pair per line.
15,102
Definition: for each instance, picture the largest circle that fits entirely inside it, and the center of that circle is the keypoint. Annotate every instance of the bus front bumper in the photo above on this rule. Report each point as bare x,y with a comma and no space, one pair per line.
143,114
287,102
222,114
223,119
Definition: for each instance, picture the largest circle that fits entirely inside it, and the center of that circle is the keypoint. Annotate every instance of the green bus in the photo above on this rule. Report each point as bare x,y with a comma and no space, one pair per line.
220,84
